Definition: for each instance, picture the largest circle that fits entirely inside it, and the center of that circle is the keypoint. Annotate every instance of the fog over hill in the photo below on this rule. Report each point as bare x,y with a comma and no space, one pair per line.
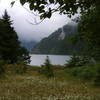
59,35
28,44
22,19
59,42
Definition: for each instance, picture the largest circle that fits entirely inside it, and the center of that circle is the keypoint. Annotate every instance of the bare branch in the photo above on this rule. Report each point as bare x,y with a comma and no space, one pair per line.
35,21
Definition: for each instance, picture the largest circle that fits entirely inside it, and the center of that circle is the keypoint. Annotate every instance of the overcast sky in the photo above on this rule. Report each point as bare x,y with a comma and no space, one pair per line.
21,18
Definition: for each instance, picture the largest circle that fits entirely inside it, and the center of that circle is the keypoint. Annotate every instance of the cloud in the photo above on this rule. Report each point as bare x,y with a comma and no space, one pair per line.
21,18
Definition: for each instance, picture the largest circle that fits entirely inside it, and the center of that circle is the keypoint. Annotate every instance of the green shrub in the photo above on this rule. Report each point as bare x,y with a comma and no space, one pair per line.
2,70
77,61
75,71
97,78
87,72
21,66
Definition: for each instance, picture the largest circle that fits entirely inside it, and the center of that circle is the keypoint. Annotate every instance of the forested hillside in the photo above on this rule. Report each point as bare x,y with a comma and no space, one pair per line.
59,42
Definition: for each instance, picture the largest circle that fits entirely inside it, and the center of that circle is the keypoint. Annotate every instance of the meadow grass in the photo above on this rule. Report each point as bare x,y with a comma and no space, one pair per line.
34,86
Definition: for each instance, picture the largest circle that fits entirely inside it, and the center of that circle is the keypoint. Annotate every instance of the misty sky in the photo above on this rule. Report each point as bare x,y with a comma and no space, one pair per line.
22,19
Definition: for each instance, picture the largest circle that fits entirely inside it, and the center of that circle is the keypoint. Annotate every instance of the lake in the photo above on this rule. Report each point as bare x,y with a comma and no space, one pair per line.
39,59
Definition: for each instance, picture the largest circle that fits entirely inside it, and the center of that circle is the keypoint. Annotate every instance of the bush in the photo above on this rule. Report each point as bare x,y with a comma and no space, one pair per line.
75,71
2,70
76,61
97,78
89,72
46,69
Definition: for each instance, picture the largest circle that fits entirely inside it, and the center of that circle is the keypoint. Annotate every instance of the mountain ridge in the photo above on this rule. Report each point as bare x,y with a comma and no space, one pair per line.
59,42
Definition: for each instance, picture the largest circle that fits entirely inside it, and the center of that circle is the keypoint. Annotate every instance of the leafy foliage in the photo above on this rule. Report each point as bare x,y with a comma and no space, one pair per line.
69,7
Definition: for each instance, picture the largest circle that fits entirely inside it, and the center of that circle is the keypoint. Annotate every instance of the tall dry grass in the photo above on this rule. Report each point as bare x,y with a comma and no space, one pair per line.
33,86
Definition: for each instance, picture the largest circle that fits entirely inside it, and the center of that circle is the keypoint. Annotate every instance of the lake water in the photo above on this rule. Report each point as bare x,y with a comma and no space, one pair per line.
38,60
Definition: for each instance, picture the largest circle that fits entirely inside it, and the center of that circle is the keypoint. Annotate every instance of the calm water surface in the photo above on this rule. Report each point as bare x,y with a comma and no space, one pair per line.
38,60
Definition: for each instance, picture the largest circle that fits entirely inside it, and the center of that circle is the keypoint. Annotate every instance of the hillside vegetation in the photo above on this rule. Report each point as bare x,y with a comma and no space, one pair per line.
60,41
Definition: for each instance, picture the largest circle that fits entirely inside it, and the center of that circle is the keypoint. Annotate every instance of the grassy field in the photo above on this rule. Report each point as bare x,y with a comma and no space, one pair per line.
33,86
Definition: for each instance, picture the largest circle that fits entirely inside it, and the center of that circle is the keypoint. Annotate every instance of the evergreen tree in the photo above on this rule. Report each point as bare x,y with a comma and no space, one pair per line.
9,44
89,28
47,69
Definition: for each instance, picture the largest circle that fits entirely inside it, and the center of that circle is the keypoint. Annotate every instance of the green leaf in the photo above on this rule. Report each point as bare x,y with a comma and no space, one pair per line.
51,1
42,16
49,15
22,2
31,6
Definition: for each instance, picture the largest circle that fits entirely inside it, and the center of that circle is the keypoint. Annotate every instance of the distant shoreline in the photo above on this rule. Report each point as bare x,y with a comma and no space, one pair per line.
49,54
